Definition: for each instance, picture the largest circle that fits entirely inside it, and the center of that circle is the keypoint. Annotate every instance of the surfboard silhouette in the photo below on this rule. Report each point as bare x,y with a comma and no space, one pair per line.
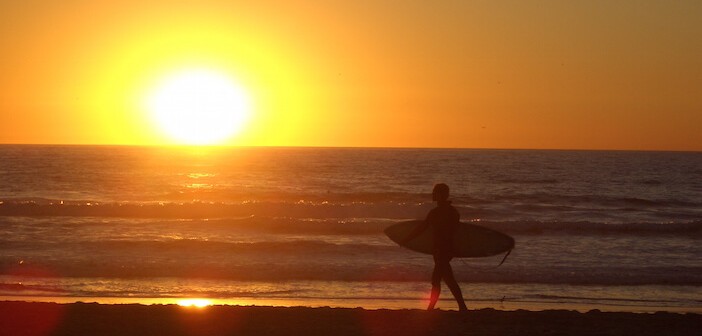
469,240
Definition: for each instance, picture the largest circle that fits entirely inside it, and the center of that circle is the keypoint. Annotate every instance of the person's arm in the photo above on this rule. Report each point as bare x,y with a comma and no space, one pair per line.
417,231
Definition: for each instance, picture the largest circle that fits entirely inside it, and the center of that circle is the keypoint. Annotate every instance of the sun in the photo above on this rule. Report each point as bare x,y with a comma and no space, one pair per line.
198,107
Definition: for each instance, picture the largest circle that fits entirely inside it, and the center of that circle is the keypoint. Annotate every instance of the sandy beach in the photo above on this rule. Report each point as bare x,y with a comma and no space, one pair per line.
24,318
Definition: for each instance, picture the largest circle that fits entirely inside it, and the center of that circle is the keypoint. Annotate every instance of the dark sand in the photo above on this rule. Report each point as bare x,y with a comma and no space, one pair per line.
22,318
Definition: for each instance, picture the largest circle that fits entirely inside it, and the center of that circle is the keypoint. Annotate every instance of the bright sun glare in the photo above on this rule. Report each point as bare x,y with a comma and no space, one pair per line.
199,107
199,303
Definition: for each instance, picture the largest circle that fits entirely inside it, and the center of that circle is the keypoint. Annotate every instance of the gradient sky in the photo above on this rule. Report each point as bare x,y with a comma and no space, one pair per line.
478,74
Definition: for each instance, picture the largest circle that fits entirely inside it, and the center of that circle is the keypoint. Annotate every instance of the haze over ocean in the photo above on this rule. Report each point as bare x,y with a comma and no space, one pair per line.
612,230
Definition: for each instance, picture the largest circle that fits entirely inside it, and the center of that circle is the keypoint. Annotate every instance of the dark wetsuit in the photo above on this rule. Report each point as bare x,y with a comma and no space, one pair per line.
443,219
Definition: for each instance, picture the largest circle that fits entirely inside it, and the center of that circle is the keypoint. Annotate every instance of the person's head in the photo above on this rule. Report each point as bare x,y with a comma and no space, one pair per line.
440,192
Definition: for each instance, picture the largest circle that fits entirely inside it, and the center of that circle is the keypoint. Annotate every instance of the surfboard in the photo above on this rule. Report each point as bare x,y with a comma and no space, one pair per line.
470,240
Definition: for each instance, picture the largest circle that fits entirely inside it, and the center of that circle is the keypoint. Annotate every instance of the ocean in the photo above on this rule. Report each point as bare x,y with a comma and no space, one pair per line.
608,230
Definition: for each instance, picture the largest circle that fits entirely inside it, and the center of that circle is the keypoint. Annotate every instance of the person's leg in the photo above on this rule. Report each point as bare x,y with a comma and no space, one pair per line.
451,283
435,285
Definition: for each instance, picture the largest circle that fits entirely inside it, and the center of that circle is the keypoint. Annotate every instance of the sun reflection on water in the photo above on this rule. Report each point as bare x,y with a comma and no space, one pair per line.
198,303
199,186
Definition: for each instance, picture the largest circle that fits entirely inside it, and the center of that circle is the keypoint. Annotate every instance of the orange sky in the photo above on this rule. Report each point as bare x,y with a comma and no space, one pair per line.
476,74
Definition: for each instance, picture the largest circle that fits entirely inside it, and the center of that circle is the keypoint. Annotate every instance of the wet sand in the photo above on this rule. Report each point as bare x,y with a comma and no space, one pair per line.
24,318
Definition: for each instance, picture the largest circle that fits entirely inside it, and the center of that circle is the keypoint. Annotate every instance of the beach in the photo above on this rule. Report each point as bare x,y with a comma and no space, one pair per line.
24,318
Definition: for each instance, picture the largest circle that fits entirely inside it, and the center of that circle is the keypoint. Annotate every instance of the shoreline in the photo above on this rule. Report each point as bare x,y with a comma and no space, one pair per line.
444,304
35,318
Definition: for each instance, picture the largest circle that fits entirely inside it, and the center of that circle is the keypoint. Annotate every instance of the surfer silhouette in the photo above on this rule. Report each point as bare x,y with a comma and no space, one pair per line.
443,219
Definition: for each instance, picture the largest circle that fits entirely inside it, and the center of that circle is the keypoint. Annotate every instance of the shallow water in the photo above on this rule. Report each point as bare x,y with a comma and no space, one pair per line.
592,229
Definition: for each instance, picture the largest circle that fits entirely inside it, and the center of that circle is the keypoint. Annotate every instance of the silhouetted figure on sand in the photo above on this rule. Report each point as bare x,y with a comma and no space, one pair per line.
443,219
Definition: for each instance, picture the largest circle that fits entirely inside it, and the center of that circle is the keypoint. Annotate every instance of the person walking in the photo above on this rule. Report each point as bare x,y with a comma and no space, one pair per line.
444,220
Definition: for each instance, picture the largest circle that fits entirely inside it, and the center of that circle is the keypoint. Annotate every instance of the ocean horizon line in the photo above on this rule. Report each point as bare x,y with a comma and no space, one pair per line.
232,146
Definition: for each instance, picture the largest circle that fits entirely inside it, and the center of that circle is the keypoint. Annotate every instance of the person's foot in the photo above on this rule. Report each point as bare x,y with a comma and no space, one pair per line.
463,314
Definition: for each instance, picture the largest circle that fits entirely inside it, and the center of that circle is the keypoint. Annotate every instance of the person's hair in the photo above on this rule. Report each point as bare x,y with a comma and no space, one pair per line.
442,190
